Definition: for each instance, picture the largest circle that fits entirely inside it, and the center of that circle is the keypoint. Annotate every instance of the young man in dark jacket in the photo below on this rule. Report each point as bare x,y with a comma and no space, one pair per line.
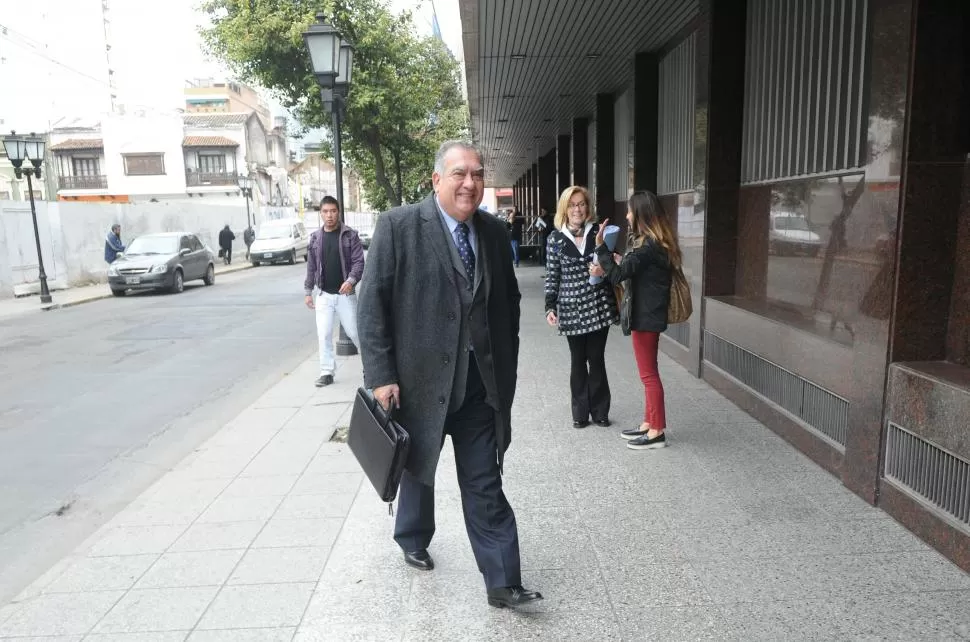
335,263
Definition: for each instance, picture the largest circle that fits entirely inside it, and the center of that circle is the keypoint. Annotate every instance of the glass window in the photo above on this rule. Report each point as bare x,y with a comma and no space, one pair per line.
144,164
194,243
212,163
86,166
152,245
185,244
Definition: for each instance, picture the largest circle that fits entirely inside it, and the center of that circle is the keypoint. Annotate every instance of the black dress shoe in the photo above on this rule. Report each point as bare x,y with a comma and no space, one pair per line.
605,422
512,597
324,380
419,560
580,424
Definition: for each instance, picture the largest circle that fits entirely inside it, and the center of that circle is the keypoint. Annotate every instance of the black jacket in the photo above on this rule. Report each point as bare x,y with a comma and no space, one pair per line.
646,271
226,237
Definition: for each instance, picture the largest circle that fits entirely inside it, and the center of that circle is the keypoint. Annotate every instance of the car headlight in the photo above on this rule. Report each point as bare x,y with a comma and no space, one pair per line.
158,269
112,270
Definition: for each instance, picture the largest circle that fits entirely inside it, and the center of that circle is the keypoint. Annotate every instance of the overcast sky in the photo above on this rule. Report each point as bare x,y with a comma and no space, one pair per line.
53,51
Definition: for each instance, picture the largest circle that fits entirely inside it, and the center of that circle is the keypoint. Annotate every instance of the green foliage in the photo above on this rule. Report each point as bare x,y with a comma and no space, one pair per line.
405,96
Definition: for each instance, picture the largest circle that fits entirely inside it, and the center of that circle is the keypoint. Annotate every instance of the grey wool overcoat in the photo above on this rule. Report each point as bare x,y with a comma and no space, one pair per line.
408,322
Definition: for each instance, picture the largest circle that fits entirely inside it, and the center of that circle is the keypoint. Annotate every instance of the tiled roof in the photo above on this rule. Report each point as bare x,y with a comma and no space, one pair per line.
214,120
78,144
208,141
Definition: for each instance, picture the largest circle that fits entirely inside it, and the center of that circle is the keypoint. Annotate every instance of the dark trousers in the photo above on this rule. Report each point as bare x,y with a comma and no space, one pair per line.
489,519
587,377
227,254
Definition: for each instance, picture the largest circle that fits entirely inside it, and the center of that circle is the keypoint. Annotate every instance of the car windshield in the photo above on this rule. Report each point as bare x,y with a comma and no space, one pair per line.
153,245
796,223
274,232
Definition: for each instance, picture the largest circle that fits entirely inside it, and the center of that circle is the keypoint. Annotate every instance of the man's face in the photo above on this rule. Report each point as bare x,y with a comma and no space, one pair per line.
117,230
462,184
330,215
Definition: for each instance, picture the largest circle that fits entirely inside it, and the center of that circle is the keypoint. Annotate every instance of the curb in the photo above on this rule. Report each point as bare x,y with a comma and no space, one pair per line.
107,295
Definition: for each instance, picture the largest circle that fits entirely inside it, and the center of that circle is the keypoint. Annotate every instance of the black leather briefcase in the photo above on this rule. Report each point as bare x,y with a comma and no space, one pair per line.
379,443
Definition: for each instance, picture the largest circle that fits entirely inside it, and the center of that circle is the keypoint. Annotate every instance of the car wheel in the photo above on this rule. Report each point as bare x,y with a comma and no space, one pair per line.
256,264
292,259
210,275
178,282
117,292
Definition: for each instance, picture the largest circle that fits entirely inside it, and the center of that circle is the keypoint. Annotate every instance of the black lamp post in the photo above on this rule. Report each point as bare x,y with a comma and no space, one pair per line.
246,189
19,149
332,59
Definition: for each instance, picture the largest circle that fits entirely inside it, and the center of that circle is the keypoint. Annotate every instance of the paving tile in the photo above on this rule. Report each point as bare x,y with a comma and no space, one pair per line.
351,630
135,540
565,627
101,574
332,483
174,487
240,509
157,610
299,532
673,623
340,602
327,462
315,506
269,486
59,614
244,635
738,579
269,565
217,536
672,583
159,636
258,606
154,512
204,568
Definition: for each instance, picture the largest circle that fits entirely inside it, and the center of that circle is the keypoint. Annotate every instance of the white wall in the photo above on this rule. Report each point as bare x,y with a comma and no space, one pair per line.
144,135
72,235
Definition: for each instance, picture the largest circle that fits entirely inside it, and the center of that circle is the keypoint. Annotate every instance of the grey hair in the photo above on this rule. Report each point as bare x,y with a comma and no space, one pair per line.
447,146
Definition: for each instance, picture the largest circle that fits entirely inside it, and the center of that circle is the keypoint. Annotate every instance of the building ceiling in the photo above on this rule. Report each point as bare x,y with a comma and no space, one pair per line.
532,66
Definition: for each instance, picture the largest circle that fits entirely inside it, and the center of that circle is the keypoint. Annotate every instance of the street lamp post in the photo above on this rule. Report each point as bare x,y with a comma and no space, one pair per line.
246,188
332,59
19,149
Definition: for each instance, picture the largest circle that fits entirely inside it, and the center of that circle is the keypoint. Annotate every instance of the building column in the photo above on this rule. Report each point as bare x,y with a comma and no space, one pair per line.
604,156
533,188
547,182
646,120
563,173
580,152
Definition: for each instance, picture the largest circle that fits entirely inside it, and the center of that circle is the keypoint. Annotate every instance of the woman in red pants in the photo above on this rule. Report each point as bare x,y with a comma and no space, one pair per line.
652,251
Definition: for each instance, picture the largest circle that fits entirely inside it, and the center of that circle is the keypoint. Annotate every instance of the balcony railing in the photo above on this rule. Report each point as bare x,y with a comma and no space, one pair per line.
83,182
198,179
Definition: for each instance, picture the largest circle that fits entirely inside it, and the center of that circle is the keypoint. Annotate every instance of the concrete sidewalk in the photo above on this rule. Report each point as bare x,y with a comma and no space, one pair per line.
269,532
85,294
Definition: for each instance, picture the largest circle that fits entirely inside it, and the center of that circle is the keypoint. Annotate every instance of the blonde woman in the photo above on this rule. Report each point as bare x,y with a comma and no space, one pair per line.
652,253
583,313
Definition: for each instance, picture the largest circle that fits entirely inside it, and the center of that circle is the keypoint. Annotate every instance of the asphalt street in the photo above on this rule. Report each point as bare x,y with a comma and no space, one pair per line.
97,400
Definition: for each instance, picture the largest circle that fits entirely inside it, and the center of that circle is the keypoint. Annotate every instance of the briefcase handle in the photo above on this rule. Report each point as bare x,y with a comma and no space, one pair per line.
388,414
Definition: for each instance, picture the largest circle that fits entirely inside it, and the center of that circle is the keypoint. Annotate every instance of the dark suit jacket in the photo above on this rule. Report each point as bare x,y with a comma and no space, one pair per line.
408,322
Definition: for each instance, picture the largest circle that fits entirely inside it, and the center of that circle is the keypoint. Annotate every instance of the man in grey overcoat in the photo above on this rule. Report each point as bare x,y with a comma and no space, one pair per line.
438,319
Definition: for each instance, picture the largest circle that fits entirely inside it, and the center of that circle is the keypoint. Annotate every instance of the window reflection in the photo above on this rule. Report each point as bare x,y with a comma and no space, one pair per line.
818,253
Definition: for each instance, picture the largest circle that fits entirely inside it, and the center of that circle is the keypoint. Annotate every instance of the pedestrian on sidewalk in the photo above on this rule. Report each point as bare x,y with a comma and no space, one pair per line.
652,253
112,244
226,237
516,224
335,264
582,312
248,237
439,321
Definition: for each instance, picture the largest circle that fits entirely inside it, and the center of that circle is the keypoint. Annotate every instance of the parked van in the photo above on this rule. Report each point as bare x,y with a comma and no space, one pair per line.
281,240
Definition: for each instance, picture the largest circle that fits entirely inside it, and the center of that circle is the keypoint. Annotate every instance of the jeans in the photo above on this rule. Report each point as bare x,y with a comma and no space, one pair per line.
515,252
329,306
645,346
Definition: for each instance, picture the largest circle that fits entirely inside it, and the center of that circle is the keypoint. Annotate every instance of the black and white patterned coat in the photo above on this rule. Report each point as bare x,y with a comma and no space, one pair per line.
582,308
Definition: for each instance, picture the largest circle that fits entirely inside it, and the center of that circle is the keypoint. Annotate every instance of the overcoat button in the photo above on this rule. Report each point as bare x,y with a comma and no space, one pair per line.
441,401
